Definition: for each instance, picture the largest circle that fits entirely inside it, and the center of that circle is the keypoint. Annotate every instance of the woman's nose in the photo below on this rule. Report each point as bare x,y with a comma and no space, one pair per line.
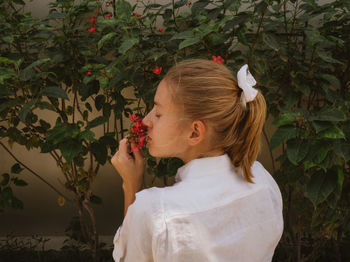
145,121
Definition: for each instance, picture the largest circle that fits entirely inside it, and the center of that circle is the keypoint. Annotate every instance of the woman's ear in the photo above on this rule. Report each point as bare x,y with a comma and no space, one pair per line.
198,132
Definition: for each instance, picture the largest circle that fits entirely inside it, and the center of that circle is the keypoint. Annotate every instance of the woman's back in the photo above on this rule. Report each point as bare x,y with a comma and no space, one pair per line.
210,214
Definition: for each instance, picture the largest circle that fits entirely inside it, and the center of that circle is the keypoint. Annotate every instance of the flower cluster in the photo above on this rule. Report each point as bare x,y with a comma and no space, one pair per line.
188,3
137,133
157,70
218,59
135,14
160,30
108,3
108,15
92,21
299,119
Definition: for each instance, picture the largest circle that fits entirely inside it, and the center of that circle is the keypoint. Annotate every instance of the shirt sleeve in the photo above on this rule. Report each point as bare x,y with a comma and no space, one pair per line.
136,239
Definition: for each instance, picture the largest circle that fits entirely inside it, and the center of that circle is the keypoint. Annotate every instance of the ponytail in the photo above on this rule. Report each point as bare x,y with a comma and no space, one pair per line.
247,136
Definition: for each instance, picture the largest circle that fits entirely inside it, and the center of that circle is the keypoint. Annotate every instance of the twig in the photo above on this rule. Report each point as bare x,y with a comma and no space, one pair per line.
35,174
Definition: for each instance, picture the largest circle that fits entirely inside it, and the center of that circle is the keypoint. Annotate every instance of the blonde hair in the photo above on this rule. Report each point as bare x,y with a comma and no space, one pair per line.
208,91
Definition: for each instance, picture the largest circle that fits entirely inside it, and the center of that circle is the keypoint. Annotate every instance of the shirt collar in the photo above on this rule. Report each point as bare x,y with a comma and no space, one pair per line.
200,167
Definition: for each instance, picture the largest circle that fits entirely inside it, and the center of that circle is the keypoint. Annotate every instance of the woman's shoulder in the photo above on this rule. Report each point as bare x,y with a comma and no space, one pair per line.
148,201
262,176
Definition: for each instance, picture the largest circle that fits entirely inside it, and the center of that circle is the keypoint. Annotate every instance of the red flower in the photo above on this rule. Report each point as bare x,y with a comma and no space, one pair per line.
137,133
157,70
108,15
188,3
92,29
160,30
88,73
218,59
134,117
92,19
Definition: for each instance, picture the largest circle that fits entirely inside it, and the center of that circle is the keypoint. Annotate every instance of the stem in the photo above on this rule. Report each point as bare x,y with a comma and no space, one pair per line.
93,221
78,107
299,241
165,180
289,217
272,160
34,173
121,127
174,15
75,95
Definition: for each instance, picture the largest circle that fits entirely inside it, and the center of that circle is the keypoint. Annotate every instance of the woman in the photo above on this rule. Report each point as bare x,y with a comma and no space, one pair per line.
224,206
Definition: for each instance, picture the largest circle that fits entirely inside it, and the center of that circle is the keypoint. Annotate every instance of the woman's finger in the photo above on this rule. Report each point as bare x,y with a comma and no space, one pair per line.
138,154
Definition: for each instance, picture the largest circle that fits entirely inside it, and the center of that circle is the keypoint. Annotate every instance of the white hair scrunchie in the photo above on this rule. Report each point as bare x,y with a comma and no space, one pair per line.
246,82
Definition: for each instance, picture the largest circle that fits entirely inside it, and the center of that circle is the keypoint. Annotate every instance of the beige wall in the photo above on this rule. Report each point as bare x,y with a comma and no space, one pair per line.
41,214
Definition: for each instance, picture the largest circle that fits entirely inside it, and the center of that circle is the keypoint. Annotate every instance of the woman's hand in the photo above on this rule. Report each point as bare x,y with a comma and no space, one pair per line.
130,169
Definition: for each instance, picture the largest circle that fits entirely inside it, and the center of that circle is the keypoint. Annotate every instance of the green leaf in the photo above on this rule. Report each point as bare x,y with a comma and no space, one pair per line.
96,122
321,125
271,41
62,131
47,147
28,72
283,119
105,39
334,132
297,150
25,110
57,15
6,179
313,36
188,42
320,186
123,9
19,182
95,199
203,30
332,80
182,35
104,82
327,57
54,91
70,149
8,39
198,6
329,114
342,149
282,134
87,135
179,3
16,168
100,152
45,105
4,91
127,44
99,101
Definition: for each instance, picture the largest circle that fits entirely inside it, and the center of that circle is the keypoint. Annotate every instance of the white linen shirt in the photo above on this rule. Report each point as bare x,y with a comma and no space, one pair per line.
210,214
